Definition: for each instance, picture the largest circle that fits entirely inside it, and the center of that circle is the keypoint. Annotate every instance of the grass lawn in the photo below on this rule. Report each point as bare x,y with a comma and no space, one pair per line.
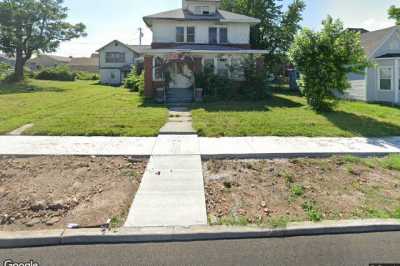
286,114
77,108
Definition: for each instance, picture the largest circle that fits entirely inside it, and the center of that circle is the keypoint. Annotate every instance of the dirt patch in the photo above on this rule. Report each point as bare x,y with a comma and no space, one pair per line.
274,192
48,192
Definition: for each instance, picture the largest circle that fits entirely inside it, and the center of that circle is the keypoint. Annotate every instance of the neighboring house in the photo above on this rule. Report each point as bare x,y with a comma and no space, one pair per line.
379,83
7,60
199,31
46,61
87,64
116,60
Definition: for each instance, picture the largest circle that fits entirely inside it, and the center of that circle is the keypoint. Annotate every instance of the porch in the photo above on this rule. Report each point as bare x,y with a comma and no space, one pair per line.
174,70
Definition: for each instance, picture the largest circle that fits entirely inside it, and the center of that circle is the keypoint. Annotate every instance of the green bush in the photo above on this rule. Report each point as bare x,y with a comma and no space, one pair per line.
5,70
82,75
132,80
325,59
219,87
60,73
255,85
140,84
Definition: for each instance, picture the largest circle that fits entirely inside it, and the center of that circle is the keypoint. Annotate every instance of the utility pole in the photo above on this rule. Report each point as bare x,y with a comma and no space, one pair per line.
140,36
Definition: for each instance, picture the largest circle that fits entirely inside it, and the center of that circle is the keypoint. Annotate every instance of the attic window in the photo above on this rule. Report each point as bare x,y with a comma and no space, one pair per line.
202,10
116,44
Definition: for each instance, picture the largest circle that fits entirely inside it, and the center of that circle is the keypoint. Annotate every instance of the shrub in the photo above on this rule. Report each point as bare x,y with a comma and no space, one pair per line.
325,59
60,73
82,75
132,80
255,85
4,70
140,84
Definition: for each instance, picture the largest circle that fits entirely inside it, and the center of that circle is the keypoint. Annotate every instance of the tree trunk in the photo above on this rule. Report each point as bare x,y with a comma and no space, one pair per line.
19,66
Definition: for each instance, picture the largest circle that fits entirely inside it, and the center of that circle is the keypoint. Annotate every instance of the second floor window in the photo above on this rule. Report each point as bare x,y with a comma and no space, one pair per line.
115,57
223,35
180,34
212,36
191,34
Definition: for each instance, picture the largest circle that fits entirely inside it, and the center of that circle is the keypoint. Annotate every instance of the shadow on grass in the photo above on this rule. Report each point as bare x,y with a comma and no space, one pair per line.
17,88
274,101
361,125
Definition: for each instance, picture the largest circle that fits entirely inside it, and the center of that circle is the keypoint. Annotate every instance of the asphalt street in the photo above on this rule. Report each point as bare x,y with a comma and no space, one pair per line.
352,249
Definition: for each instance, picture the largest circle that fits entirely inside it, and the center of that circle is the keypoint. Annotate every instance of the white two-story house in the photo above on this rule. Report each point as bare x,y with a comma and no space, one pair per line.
116,60
202,31
199,30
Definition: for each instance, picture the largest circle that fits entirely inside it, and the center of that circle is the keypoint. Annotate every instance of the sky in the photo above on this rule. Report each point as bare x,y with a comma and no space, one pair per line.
108,20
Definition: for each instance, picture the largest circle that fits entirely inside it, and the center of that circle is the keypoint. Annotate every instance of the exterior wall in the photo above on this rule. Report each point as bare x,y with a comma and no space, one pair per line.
374,94
164,31
92,69
129,56
358,89
110,76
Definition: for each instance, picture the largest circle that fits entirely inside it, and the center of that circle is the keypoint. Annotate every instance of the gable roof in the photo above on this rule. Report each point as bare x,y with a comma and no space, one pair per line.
138,49
183,14
371,41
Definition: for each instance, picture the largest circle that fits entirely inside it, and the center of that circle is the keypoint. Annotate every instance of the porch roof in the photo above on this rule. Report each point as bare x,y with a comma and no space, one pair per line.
204,49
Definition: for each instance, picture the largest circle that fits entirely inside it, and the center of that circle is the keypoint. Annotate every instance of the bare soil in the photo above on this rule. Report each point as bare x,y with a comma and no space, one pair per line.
274,192
48,192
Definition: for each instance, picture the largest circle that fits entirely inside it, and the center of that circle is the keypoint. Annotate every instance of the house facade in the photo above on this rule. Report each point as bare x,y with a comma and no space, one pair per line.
380,82
191,37
116,60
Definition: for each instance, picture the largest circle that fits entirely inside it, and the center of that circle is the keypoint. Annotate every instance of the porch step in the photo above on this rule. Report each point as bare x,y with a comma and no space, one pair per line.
175,95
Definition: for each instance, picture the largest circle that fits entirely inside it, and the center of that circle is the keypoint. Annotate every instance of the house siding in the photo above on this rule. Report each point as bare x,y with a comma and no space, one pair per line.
164,31
358,89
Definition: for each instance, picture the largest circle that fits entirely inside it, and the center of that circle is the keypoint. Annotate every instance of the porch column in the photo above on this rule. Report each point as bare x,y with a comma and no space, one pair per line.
396,80
148,76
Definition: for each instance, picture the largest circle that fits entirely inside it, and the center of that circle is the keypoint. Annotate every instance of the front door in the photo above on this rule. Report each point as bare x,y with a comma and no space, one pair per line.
181,76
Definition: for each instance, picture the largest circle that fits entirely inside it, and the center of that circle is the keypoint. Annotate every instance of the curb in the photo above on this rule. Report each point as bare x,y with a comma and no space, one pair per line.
199,233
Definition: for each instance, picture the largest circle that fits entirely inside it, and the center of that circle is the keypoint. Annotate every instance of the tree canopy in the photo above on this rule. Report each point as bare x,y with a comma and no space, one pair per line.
394,13
34,26
277,29
325,59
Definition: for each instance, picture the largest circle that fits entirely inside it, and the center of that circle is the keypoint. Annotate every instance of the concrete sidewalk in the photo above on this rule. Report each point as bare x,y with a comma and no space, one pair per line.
257,147
172,189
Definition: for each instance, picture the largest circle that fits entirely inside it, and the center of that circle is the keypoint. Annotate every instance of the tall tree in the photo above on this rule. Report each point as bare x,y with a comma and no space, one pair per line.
325,59
394,13
34,26
277,29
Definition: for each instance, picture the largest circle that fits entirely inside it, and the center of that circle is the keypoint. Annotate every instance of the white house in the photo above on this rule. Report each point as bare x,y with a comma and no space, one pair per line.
116,60
199,30
381,82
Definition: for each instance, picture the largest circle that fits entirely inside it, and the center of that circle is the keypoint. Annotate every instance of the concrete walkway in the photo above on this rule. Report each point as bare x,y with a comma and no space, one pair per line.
179,122
257,147
172,189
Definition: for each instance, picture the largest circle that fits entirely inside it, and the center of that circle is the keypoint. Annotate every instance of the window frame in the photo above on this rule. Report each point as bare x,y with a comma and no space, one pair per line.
176,34
219,35
216,35
188,36
109,59
391,78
